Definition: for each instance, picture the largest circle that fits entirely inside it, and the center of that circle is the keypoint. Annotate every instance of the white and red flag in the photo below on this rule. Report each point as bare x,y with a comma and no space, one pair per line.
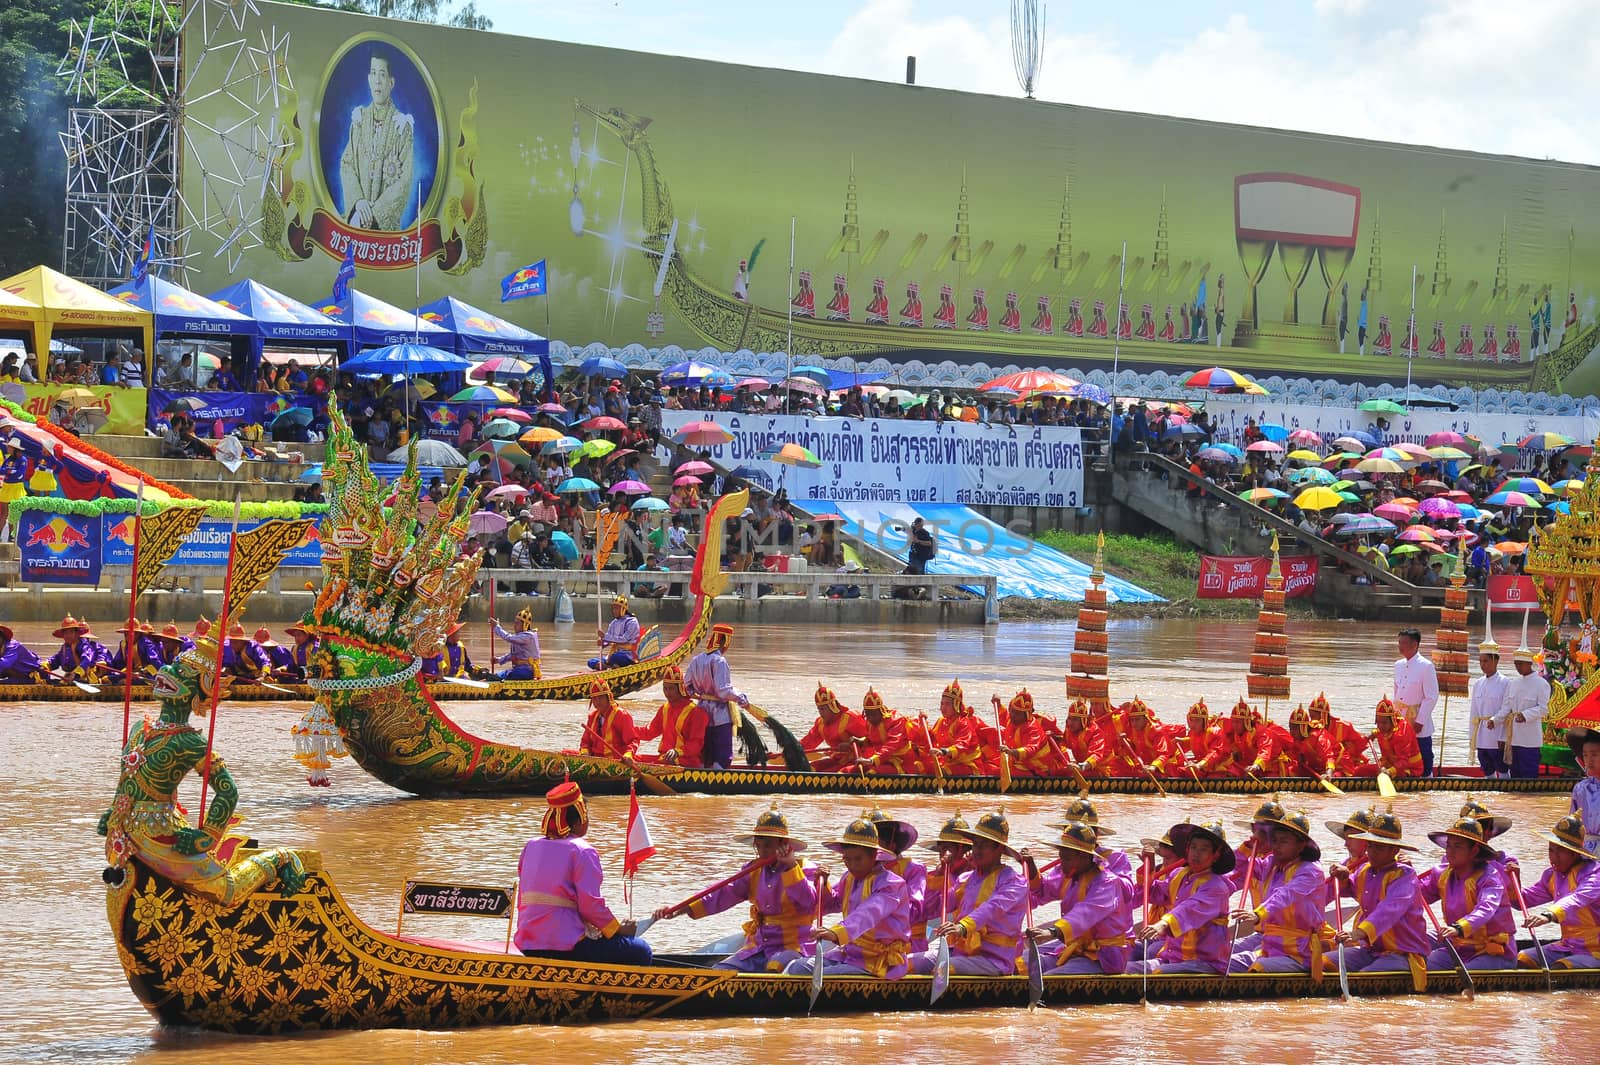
638,846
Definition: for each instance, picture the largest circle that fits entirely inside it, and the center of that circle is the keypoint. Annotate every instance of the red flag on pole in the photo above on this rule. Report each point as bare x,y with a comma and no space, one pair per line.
638,847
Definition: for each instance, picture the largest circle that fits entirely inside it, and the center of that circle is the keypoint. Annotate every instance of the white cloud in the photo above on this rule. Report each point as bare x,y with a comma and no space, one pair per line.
1474,74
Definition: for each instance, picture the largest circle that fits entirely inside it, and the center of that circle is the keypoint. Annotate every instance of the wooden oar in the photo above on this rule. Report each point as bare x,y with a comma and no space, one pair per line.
1386,788
80,685
1522,904
933,751
1329,786
1035,965
1461,967
941,953
1133,754
1244,901
276,688
1149,874
465,682
1000,742
1072,767
677,908
1338,915
816,958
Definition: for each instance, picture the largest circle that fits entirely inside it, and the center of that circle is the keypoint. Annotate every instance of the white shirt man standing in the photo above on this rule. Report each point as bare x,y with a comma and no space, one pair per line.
1488,699
1522,715
1416,692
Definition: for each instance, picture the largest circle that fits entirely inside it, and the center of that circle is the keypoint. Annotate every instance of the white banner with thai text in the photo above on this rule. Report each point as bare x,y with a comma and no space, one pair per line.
882,460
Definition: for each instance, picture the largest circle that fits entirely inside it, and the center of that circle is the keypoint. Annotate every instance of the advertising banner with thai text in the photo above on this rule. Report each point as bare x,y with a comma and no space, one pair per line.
59,548
206,546
1245,576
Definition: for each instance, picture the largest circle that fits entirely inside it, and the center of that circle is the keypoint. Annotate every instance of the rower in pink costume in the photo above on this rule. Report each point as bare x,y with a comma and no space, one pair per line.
896,837
1092,934
873,935
1288,920
1196,899
990,901
1472,891
1567,894
1386,931
782,895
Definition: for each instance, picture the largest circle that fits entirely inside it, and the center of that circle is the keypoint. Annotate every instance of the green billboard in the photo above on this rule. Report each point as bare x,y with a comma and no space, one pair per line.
926,224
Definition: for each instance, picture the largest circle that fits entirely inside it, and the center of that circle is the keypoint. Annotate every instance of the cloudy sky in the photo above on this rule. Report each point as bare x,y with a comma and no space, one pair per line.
1515,77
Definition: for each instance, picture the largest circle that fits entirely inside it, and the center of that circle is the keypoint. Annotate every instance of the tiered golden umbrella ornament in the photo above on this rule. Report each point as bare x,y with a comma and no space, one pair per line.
1269,662
1090,662
1450,655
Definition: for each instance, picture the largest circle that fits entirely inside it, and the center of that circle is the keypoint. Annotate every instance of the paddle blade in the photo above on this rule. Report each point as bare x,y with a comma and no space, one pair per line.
1330,787
1386,788
816,976
1005,772
655,785
465,682
644,926
1035,975
89,688
941,970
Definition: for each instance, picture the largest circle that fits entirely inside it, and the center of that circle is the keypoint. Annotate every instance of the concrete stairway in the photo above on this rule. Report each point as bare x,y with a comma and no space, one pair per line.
255,482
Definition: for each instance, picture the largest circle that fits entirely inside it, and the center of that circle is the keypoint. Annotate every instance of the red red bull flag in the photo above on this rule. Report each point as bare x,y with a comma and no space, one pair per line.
1245,576
59,548
528,281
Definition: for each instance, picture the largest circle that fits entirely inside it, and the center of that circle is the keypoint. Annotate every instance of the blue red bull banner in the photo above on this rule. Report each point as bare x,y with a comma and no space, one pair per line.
232,409
529,281
206,546
61,548
444,420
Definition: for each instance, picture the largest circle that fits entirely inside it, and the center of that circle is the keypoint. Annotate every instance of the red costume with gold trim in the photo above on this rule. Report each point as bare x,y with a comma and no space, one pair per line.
887,746
1348,743
838,728
1024,734
680,723
959,737
609,732
1397,745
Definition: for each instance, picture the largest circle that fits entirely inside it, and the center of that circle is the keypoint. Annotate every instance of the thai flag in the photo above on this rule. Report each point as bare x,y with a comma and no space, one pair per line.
638,847
141,262
346,274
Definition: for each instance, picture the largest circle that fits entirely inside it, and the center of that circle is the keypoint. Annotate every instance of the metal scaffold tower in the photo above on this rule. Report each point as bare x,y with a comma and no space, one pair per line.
140,116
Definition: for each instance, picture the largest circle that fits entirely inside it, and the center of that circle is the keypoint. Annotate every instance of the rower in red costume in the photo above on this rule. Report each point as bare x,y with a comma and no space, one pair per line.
1348,743
887,747
1148,740
609,732
958,737
1193,741
838,728
1272,746
1397,745
1309,752
680,723
1077,740
1238,745
1026,741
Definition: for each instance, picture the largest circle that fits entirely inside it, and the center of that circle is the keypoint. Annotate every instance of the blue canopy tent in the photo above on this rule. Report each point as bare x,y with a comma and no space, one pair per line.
180,312
374,323
479,333
283,319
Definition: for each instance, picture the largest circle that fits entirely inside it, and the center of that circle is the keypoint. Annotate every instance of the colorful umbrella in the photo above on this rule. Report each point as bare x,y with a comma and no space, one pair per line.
1365,525
1233,449
1305,438
505,365
483,394
1439,507
1223,380
1262,496
539,434
505,450
561,445
795,455
1215,454
695,374
1562,507
1568,487
803,384
1445,439
1263,447
1447,453
1416,534
630,488
1527,485
577,484
1512,499
1379,466
605,424
1393,454
1303,455
1544,441
702,434
649,503
1031,381
1318,498
1312,475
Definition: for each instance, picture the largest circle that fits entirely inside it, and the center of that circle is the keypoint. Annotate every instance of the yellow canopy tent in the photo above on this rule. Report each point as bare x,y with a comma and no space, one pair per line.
64,304
17,315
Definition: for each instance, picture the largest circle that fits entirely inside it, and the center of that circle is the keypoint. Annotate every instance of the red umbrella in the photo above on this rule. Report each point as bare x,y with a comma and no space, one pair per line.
754,384
604,423
515,414
1026,381
686,481
695,467
702,434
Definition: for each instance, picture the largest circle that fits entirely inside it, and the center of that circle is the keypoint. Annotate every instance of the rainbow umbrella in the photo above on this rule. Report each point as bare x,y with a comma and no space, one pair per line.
795,455
1544,441
483,394
1527,485
502,364
1220,379
1512,499
1030,381
1416,534
1262,496
1568,487
1447,453
1393,454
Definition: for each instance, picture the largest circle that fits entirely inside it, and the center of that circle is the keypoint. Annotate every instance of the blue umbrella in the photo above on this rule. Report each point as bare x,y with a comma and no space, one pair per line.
601,366
694,373
1092,393
1273,432
577,484
649,503
293,416
1233,449
561,446
563,543
1186,429
406,359
814,373
312,473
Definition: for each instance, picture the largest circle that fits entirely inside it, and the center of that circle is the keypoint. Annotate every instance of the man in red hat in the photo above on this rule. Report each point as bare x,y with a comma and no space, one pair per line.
82,657
1238,748
1308,753
887,747
609,732
560,911
680,724
297,659
1025,741
18,664
837,727
707,678
146,653
1397,745
955,734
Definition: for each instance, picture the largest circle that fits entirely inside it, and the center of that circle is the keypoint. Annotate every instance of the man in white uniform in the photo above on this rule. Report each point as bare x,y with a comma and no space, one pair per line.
1488,698
1416,691
1522,716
